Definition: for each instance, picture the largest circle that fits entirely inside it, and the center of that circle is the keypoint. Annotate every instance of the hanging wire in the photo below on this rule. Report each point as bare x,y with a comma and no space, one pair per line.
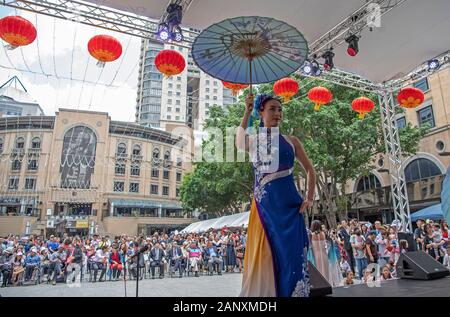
38,50
54,50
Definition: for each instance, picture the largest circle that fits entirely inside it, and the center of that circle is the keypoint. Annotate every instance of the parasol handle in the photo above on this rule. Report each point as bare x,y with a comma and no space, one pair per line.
251,79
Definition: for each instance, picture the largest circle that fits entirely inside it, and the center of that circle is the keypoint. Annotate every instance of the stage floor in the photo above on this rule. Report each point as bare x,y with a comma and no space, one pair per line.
398,288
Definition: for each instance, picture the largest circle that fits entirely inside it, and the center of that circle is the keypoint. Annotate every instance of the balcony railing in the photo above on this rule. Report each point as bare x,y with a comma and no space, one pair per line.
18,151
122,156
34,151
136,157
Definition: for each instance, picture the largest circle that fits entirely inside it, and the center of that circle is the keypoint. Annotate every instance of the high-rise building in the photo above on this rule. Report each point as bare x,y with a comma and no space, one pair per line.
15,100
184,99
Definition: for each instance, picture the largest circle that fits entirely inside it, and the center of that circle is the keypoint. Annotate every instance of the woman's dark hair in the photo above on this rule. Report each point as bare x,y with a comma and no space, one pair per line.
357,231
259,103
316,226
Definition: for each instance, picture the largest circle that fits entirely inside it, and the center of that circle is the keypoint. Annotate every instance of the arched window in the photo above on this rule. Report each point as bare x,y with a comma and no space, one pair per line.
20,143
156,153
36,143
136,149
421,168
121,148
1,145
369,182
167,155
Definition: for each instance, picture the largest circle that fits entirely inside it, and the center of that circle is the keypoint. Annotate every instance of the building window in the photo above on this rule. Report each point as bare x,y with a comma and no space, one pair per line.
215,91
178,86
178,192
120,168
169,101
368,183
134,187
167,155
30,183
422,84
178,177
119,186
169,117
169,109
177,118
20,143
215,97
207,90
135,170
13,183
426,116
207,97
400,123
421,168
207,104
170,85
121,148
207,112
36,143
156,153
179,161
165,190
1,146
170,93
155,173
178,94
154,189
166,175
179,78
177,109
32,165
215,83
136,149
177,102
16,165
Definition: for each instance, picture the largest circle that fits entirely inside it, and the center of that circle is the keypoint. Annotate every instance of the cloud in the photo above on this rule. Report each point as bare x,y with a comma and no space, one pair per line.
62,47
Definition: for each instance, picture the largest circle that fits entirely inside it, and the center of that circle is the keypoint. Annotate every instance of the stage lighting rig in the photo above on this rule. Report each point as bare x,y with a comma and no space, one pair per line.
170,29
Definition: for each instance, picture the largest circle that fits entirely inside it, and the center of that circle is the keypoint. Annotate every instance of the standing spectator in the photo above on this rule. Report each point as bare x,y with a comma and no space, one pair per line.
371,247
318,249
230,255
240,252
419,234
156,260
75,262
344,235
358,245
428,242
382,241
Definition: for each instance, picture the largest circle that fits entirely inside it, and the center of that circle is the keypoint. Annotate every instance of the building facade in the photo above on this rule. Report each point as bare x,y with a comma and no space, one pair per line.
183,99
79,172
424,171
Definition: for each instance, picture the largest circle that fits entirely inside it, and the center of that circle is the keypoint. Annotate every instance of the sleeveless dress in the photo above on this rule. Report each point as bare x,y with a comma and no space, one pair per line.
275,261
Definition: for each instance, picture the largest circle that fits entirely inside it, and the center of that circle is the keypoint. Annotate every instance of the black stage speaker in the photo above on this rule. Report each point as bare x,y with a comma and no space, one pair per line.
408,236
319,285
418,265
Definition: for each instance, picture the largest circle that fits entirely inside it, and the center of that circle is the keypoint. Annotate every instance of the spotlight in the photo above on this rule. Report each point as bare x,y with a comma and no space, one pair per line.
306,68
170,28
352,41
163,33
328,56
433,65
311,68
315,68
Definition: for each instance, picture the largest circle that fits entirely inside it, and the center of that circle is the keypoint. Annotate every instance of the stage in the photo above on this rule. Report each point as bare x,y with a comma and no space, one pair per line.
397,288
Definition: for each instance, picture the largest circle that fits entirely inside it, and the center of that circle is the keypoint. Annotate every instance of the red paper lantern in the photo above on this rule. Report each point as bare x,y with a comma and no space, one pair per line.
170,62
17,31
234,87
363,105
320,96
410,97
104,48
285,88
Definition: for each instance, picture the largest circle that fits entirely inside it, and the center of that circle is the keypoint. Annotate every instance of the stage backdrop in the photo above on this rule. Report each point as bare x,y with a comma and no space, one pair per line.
445,196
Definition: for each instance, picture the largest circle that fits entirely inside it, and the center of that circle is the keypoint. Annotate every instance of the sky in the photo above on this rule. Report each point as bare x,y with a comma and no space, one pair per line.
72,79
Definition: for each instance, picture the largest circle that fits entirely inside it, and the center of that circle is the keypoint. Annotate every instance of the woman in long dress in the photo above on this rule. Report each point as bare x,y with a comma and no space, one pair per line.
319,249
275,262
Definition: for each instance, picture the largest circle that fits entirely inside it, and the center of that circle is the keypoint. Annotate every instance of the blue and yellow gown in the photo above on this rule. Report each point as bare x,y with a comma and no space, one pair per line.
275,261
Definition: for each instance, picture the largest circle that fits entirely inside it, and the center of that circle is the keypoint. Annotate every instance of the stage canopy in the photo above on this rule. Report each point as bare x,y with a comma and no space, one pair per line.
232,221
433,212
410,34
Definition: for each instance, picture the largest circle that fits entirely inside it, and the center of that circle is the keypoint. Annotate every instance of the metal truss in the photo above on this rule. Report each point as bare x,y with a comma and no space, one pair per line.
394,154
89,14
184,3
360,19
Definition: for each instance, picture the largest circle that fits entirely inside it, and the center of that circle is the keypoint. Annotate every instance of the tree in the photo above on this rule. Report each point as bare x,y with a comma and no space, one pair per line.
340,146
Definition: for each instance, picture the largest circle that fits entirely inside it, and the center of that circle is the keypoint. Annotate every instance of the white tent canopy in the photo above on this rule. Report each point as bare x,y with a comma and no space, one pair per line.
231,221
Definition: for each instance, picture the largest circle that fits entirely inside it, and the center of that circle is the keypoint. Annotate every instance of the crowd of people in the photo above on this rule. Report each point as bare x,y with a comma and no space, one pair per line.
76,259
344,255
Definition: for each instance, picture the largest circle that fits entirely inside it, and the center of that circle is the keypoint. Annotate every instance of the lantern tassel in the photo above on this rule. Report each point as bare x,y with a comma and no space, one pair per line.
317,106
10,47
361,115
101,64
